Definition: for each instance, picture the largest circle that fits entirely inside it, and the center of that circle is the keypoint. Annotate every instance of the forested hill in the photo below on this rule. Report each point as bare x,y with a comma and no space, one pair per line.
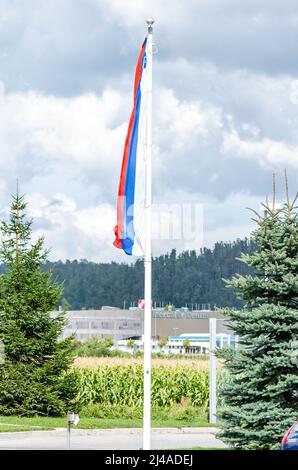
187,278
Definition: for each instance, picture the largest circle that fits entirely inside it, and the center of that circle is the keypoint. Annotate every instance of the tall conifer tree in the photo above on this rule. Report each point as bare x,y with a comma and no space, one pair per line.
33,377
261,397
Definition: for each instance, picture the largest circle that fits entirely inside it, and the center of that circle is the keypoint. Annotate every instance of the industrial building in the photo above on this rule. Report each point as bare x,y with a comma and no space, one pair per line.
107,322
123,324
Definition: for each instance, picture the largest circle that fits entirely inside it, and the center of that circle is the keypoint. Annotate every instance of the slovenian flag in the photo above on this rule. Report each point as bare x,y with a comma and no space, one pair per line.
130,229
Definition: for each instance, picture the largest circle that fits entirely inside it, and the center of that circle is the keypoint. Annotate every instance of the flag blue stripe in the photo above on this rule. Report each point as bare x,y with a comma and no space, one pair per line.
128,208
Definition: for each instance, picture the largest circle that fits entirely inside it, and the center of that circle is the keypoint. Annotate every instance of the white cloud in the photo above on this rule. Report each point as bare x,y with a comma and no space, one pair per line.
75,130
96,222
180,122
229,234
133,14
82,138
72,232
267,152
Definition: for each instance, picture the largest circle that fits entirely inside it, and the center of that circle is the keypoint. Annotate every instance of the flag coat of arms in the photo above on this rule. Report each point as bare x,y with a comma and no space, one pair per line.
130,229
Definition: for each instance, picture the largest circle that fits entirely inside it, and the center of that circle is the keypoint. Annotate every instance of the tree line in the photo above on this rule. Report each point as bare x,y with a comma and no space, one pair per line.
178,279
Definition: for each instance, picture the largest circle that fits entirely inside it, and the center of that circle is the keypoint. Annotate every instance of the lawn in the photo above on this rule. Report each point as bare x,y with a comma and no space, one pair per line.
17,424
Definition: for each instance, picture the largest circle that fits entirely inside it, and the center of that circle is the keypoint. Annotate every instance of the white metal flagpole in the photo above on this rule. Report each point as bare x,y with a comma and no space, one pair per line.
148,258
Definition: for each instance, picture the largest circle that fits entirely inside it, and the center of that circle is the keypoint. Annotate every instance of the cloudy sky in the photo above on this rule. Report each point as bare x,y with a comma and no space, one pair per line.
225,112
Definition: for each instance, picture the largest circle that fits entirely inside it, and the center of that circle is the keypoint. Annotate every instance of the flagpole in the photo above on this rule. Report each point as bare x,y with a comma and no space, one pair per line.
148,249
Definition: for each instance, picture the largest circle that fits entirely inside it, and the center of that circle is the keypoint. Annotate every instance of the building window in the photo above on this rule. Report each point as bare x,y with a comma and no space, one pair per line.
82,325
107,325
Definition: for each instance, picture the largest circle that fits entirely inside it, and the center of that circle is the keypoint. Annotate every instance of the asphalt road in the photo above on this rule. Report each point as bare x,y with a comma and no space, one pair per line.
110,439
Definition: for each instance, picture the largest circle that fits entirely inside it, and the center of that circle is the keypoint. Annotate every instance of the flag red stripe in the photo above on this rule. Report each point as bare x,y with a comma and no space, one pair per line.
121,192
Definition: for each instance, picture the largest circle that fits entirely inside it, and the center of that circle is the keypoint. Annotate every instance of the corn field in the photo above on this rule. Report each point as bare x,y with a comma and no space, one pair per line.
94,362
123,386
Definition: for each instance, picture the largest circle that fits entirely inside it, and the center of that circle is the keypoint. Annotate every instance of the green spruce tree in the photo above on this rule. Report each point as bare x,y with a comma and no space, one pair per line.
260,398
35,377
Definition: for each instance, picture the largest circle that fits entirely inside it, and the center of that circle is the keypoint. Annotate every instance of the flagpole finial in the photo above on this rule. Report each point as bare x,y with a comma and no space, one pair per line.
150,23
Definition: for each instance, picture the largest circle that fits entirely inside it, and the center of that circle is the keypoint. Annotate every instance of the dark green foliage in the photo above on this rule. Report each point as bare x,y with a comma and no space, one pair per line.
27,390
187,278
94,347
33,378
261,396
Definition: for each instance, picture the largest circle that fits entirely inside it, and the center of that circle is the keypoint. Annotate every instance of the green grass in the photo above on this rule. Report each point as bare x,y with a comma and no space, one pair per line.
15,424
10,428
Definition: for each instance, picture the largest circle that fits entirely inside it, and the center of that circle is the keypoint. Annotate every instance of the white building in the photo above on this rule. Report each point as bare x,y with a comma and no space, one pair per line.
197,344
